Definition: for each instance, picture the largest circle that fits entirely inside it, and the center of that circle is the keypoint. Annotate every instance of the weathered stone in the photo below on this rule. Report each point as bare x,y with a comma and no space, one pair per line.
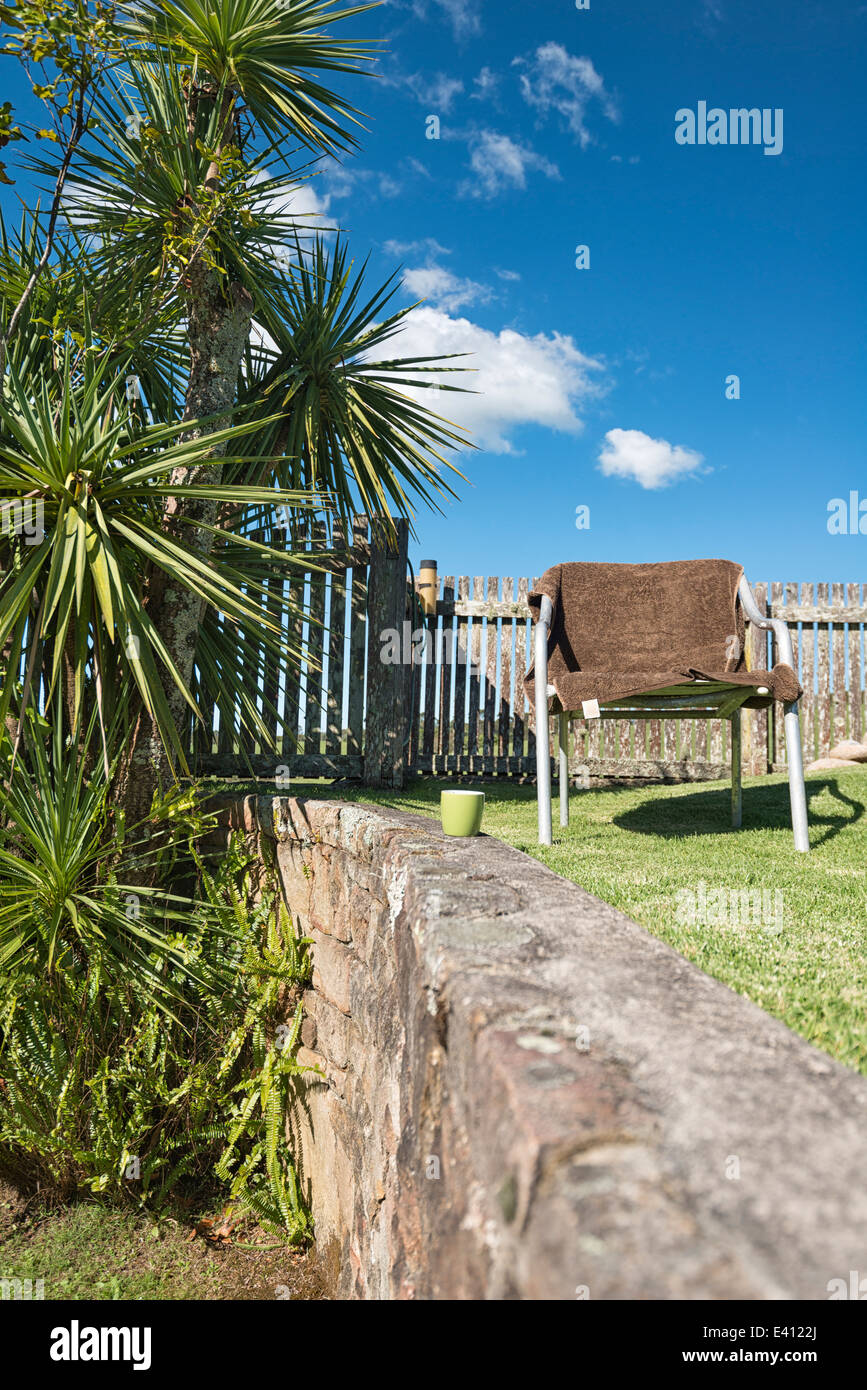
332,964
850,751
829,764
527,1096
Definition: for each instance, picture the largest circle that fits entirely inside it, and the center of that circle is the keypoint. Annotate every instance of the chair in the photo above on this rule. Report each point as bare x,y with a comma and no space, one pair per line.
702,695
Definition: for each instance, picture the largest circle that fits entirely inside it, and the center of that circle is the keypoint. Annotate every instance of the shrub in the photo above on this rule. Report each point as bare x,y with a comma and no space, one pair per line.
141,1048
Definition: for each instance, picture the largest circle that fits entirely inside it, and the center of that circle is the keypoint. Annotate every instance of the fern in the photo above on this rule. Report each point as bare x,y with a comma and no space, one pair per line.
96,1074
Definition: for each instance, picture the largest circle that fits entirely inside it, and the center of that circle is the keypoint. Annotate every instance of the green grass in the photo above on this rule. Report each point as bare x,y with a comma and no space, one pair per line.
90,1251
638,849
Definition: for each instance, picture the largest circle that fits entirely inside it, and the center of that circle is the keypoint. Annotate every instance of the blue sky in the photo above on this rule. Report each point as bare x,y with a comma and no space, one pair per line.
557,129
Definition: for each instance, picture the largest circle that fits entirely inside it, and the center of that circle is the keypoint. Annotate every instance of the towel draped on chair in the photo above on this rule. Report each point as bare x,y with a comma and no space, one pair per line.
626,630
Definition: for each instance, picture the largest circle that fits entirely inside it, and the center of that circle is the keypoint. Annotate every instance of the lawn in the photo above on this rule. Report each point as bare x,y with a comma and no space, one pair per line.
644,850
91,1251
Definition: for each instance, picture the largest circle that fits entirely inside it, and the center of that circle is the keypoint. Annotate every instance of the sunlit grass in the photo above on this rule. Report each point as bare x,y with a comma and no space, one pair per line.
638,849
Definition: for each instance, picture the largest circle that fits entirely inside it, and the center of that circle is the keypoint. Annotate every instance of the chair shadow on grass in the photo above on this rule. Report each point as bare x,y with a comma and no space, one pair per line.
764,807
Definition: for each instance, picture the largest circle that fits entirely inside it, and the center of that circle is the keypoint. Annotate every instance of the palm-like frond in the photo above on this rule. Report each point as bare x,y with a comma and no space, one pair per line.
342,419
143,207
64,906
101,479
268,52
110,321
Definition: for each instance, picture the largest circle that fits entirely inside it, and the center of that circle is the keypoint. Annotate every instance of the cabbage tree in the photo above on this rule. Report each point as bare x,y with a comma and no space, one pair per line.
179,363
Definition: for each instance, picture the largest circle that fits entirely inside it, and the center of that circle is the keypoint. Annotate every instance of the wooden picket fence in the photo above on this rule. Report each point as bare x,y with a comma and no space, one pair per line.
458,706
472,717
339,712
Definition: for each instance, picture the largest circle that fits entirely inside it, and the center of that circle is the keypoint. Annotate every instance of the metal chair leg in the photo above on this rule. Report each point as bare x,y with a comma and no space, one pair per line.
737,796
543,752
543,775
797,790
564,769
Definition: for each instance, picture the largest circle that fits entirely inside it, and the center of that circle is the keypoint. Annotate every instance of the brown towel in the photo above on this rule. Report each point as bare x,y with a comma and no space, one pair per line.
623,630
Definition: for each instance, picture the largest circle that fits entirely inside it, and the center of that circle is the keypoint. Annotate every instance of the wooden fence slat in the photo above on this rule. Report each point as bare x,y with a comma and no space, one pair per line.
385,733
315,647
357,639
491,644
475,672
462,657
507,630
431,656
808,679
624,731
521,630
415,679
839,641
820,613
336,640
864,672
447,672
596,739
609,728
823,672
791,591
531,704
779,750
669,736
758,660
654,739
855,682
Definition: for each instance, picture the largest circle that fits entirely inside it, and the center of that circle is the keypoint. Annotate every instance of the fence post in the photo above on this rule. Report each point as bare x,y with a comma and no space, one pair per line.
385,725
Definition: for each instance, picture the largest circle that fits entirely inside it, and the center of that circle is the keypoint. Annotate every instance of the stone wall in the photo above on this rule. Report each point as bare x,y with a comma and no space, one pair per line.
526,1096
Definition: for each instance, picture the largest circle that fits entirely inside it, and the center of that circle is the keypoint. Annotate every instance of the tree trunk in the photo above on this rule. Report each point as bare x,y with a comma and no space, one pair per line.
219,321
219,325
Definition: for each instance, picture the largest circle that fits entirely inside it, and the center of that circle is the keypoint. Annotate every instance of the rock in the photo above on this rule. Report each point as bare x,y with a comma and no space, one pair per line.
524,1095
850,751
828,764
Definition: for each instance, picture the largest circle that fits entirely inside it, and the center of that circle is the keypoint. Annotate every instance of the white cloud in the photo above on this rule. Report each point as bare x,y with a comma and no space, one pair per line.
519,380
417,166
308,207
463,14
427,245
555,80
487,83
653,463
445,290
507,274
303,209
499,163
436,93
344,180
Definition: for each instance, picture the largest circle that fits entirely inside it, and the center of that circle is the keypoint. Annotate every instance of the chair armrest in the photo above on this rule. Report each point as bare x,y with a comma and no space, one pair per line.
546,612
777,626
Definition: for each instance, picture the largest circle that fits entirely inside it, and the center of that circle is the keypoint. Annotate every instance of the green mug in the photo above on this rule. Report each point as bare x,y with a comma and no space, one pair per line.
461,812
